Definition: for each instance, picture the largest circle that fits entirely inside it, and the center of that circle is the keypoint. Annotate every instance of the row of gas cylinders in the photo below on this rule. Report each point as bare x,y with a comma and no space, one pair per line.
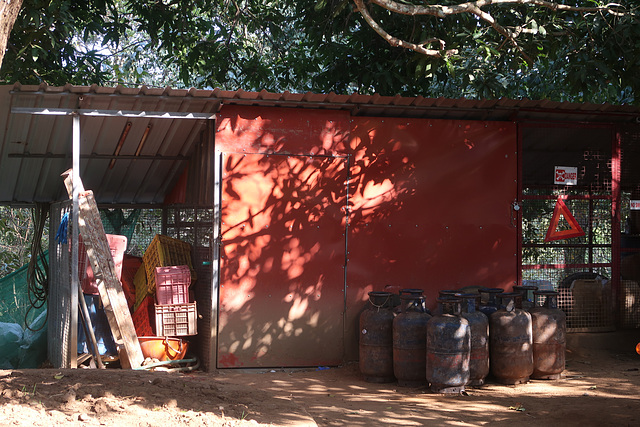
471,336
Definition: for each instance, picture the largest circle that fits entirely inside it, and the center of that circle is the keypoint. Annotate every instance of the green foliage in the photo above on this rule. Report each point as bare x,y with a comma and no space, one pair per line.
16,225
323,46
49,41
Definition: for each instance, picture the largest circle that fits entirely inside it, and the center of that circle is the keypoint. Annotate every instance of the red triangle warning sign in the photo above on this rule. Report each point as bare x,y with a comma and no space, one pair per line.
574,229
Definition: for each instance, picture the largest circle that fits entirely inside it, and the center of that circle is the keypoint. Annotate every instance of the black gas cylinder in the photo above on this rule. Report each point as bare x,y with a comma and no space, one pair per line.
376,339
410,342
549,337
528,298
415,292
511,341
479,324
448,348
488,300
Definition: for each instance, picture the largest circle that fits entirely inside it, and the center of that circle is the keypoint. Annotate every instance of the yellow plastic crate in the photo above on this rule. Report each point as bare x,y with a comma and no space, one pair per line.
165,251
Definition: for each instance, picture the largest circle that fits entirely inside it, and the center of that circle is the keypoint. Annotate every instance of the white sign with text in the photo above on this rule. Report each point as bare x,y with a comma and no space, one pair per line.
566,175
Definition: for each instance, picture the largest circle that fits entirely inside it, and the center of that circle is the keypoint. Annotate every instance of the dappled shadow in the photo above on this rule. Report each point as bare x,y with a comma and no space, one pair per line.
599,387
399,203
588,394
431,209
283,236
431,205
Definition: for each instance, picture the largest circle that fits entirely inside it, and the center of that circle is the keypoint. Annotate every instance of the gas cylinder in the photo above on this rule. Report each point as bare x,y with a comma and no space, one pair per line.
528,298
416,292
511,341
488,300
479,324
411,291
447,293
448,348
376,339
410,342
549,337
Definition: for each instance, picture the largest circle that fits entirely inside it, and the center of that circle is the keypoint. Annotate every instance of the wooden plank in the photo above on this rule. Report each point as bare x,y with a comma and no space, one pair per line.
109,287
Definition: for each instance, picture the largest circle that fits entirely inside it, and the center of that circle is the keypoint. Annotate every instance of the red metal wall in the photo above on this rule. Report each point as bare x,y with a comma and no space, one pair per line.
431,208
429,205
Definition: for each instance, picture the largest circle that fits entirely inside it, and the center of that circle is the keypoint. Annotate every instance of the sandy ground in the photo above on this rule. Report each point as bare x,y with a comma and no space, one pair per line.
601,386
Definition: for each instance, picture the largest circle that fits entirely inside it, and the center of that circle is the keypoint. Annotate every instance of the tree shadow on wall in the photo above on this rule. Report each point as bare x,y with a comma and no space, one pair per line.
285,219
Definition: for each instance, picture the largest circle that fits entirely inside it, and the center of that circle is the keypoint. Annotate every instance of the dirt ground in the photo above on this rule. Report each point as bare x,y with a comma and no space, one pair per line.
601,386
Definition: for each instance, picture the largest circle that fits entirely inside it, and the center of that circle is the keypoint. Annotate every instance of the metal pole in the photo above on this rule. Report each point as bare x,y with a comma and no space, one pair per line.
74,243
216,158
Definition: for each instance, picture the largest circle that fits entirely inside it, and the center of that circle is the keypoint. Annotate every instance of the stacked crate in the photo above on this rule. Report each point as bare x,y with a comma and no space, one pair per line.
162,289
175,315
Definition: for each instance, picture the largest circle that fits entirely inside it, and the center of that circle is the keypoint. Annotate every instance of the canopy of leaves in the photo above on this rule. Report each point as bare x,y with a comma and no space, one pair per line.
323,46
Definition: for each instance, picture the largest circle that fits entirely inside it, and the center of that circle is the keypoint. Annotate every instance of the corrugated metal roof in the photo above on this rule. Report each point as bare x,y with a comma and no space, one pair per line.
35,149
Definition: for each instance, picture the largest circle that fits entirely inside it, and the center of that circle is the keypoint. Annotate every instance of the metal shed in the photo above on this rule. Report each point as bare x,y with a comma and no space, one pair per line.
306,202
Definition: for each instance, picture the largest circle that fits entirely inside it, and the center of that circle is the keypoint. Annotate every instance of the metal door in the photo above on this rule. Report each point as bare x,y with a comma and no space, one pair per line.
282,260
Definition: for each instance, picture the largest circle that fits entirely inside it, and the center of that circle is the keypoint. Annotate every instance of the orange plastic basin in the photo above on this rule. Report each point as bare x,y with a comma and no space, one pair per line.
163,348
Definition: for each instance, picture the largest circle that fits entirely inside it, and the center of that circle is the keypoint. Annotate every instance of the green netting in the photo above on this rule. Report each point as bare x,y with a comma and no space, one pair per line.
23,332
23,327
115,221
15,297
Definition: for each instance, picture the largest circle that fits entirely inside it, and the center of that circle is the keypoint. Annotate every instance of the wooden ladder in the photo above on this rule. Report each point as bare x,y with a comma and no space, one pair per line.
109,287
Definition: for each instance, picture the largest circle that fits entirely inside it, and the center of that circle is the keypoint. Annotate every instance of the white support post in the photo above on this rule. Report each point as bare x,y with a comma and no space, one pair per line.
74,243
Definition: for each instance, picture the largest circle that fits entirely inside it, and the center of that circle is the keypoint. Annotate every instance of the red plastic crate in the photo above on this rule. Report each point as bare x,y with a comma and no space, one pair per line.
143,317
130,265
172,284
117,246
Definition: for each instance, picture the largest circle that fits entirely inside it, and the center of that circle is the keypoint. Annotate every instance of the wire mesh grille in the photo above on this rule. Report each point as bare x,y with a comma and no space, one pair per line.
587,148
588,306
59,324
195,226
629,304
191,225
566,264
149,224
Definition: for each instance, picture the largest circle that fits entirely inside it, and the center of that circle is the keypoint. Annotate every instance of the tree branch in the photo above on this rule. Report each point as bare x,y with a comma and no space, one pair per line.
474,8
396,42
500,29
444,11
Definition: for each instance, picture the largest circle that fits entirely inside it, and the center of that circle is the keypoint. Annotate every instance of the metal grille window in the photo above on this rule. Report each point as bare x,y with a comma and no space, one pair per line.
191,225
580,267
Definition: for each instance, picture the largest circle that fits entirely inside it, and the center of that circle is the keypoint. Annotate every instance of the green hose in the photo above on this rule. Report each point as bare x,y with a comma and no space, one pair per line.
172,362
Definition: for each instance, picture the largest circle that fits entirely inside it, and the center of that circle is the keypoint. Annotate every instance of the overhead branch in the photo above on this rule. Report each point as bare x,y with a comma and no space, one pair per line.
487,17
473,8
444,11
396,42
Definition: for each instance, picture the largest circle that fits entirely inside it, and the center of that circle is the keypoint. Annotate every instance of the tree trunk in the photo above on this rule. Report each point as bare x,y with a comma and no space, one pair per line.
9,10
